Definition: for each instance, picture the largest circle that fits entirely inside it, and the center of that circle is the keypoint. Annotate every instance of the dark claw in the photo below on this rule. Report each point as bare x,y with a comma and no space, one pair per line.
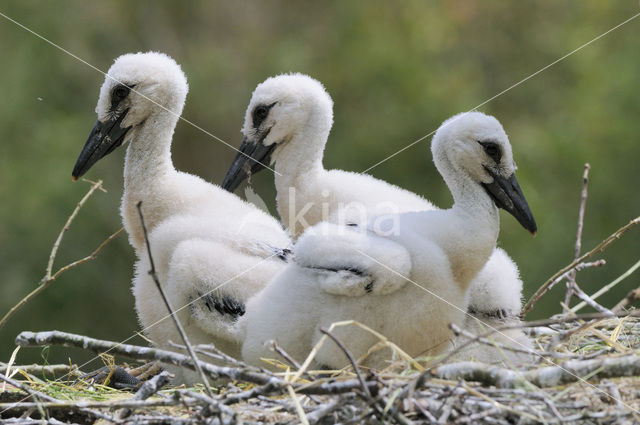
120,379
284,254
369,287
224,305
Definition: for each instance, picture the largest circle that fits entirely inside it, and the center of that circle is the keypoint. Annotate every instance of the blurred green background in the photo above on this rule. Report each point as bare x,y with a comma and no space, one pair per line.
395,71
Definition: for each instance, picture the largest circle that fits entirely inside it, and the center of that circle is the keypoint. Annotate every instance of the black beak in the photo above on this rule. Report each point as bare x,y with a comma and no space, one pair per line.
252,157
104,138
506,193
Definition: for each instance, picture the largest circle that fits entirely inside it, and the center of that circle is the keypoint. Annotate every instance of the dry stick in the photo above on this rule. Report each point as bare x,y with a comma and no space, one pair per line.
550,376
39,339
616,311
577,268
346,352
600,247
632,296
457,330
396,415
49,278
36,369
285,355
586,298
210,404
571,281
324,410
122,404
188,398
39,395
181,331
532,324
56,245
608,286
294,363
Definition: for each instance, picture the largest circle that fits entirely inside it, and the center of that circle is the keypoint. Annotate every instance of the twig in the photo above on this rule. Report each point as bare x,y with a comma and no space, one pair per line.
324,410
632,296
586,298
551,376
63,404
576,268
607,287
39,395
249,394
49,278
285,355
600,247
33,339
396,415
46,370
293,362
571,281
56,244
214,353
424,376
211,404
459,331
346,352
181,331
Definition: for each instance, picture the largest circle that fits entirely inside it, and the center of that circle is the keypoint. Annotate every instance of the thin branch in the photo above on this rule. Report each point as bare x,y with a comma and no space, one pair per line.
551,376
354,365
62,404
46,281
46,370
586,298
41,396
39,339
577,268
457,330
210,350
571,282
56,245
607,287
376,403
600,247
285,355
213,406
632,296
181,331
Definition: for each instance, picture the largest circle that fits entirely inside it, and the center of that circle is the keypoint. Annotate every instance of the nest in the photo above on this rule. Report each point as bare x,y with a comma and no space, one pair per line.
582,371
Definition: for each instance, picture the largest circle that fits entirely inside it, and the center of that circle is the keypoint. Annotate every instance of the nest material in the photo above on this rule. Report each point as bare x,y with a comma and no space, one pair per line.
585,374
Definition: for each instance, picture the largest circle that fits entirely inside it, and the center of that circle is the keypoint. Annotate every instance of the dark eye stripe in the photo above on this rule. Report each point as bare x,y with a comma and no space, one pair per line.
260,113
493,150
118,94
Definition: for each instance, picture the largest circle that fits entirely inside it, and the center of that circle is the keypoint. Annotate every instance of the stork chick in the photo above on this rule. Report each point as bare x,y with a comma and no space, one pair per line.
388,282
212,250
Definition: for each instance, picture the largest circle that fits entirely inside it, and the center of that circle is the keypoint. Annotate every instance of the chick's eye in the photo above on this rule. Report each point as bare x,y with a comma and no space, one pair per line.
260,113
120,92
493,150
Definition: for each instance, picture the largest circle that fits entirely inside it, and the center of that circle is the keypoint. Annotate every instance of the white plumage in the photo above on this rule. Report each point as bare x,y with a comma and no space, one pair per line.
201,235
495,296
293,135
287,122
353,273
